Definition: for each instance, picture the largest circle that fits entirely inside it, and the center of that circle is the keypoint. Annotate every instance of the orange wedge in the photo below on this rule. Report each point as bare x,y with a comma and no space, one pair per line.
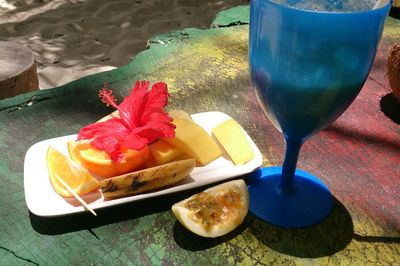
99,162
79,179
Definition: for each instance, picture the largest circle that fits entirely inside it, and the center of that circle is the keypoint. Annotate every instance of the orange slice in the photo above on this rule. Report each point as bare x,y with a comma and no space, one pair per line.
79,179
99,162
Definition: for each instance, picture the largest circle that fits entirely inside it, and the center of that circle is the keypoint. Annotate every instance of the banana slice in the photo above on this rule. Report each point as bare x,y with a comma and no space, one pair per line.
216,211
146,180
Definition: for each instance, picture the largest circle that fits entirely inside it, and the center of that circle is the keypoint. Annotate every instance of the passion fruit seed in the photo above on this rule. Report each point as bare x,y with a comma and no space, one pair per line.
213,209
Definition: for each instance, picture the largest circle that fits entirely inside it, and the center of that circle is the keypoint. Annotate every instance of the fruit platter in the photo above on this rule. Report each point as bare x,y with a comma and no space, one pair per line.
175,151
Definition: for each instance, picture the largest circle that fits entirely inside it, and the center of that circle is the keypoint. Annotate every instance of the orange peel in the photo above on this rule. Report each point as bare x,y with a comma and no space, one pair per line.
98,162
78,178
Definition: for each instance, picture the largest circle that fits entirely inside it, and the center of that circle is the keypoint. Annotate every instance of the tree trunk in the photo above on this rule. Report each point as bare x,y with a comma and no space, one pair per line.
17,70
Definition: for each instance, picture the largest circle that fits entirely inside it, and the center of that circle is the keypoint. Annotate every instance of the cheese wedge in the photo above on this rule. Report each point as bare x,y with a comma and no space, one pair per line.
234,141
193,140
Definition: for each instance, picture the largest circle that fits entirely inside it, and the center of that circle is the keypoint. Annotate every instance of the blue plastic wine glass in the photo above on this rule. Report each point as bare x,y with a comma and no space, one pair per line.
308,61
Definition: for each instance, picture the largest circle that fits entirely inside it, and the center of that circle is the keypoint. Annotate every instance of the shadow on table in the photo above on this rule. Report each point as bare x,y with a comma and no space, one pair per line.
377,239
321,240
190,241
105,216
324,239
395,13
390,106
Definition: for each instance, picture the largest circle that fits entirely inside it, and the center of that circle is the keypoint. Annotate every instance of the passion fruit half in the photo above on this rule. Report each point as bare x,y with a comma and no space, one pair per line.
216,211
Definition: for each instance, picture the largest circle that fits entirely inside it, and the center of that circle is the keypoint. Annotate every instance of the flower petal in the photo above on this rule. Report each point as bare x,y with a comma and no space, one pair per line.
106,136
135,141
142,120
157,99
111,126
155,129
132,105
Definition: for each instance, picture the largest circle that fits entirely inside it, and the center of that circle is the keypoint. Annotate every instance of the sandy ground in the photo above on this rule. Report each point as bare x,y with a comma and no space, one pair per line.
75,38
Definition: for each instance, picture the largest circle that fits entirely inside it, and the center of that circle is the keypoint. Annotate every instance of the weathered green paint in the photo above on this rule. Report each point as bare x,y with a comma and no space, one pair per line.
231,17
207,70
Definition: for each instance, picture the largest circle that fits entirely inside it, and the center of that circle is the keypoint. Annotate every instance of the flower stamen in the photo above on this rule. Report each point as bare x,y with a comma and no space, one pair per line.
107,97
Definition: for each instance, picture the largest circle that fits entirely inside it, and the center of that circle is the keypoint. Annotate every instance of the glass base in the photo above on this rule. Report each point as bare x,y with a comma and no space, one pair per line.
309,203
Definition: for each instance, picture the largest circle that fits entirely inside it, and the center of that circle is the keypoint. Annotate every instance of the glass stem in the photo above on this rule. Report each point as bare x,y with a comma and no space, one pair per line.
292,150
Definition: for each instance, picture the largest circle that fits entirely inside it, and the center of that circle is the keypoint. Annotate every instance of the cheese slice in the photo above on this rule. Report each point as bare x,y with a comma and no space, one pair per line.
194,141
234,141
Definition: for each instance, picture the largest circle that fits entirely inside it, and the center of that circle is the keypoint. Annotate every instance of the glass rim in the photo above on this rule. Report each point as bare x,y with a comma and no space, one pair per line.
372,10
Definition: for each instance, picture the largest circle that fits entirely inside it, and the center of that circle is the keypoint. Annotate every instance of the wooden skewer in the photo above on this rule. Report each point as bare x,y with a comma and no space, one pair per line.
76,195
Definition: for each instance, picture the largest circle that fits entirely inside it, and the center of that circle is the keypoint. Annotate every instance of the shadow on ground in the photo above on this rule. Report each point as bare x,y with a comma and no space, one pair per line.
390,106
324,239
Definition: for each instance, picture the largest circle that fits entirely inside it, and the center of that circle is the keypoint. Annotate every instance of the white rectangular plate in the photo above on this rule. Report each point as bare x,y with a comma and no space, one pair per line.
42,200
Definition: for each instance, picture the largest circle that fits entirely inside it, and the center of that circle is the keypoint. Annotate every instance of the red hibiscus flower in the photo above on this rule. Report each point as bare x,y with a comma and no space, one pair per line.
141,120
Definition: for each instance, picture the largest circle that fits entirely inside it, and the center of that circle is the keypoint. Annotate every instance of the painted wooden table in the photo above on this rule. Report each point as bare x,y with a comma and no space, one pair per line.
358,157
